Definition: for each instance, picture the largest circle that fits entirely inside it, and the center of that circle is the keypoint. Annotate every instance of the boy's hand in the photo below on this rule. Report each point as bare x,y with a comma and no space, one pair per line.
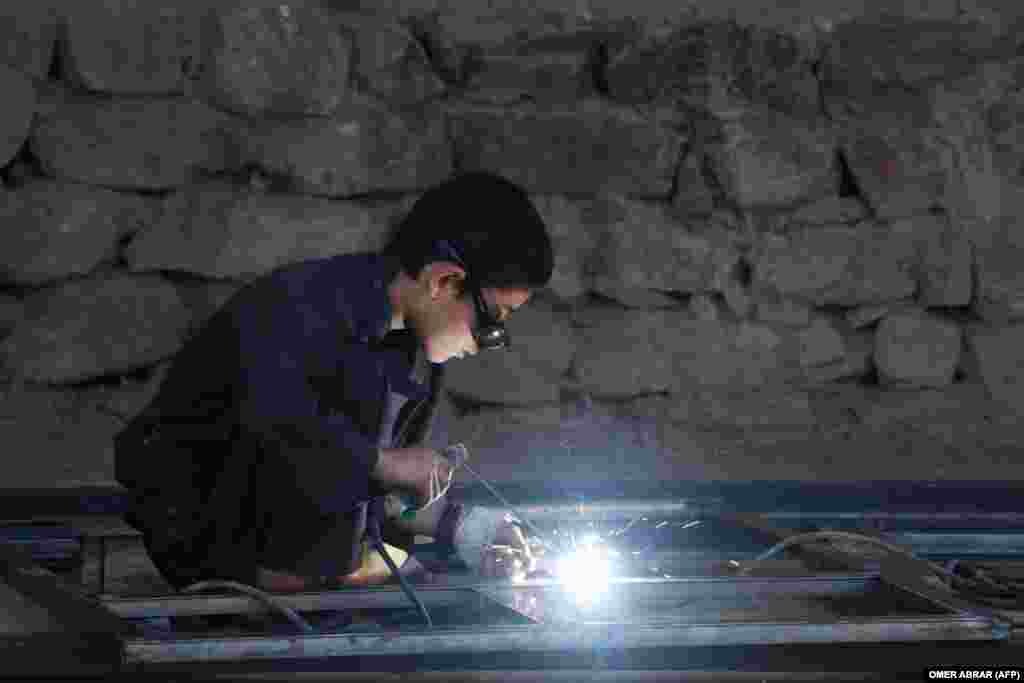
509,555
409,469
491,544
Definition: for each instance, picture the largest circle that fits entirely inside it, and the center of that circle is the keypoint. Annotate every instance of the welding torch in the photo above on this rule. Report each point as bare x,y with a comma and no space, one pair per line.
457,457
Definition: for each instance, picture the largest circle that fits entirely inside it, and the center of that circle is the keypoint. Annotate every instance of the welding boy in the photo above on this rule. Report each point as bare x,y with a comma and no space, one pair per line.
311,392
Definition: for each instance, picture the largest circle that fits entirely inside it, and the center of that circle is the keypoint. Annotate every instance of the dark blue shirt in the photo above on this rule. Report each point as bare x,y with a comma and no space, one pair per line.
278,406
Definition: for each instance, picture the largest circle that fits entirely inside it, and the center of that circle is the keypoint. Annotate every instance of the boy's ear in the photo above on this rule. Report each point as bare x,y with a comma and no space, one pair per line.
444,277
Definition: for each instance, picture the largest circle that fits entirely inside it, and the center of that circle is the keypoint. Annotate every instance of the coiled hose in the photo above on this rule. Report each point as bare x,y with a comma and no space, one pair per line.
974,582
268,600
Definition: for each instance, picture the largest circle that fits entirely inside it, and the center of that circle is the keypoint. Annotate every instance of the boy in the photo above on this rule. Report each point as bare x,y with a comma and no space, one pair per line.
309,393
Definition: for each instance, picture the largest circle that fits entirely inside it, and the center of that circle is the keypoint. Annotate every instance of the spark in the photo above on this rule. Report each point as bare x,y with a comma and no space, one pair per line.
586,570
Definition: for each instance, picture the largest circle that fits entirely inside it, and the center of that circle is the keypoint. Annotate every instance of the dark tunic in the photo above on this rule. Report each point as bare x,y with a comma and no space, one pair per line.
258,448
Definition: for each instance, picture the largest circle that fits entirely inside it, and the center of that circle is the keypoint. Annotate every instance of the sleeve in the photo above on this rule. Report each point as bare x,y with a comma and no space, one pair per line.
330,459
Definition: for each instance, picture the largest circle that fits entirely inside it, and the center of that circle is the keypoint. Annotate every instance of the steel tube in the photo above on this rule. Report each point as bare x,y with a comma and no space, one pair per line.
432,596
964,543
582,638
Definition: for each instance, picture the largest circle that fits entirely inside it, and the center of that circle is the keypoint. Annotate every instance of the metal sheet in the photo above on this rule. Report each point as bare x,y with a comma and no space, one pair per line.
458,592
583,638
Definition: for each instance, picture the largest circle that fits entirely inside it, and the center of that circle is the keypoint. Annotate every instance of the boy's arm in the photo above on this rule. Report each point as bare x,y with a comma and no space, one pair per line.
331,460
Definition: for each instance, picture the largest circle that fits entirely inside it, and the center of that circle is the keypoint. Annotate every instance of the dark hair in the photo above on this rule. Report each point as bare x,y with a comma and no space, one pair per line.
490,221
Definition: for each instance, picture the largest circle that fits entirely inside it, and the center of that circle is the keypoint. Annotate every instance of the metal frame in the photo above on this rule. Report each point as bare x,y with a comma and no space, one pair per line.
979,518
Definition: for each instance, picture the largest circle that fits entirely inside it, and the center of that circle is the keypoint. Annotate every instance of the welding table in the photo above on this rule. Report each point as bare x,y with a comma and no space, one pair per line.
829,609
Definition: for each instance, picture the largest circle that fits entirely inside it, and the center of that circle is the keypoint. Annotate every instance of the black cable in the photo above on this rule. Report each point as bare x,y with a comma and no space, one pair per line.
376,512
268,600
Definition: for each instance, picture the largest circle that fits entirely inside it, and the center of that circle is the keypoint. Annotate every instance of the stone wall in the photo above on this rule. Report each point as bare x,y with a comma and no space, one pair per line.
788,242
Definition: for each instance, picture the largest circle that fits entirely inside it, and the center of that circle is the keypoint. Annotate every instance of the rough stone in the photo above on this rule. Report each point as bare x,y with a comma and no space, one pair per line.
489,28
998,246
752,409
973,114
693,195
784,312
272,57
820,344
771,159
949,405
699,62
590,149
545,78
130,46
896,156
943,258
737,295
88,328
572,242
829,211
364,147
481,424
28,33
916,350
220,231
856,361
865,316
387,61
1000,356
985,194
16,115
638,297
1005,119
639,245
894,49
130,143
68,441
11,313
628,353
542,349
1003,17
835,265
961,417
65,229
500,380
704,307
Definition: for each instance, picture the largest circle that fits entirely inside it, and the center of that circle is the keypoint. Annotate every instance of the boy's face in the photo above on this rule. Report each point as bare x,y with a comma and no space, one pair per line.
445,320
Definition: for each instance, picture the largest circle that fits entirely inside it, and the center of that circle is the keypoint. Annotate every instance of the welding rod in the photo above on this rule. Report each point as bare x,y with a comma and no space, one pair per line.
457,455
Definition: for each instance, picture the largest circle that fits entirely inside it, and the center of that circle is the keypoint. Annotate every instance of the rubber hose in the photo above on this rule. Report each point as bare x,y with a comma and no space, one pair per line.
265,598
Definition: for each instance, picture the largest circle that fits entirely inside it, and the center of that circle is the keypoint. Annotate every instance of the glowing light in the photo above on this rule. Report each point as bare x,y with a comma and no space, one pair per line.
585,571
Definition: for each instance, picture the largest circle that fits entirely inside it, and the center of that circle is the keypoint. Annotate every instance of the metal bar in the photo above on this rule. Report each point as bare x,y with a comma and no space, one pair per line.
908,575
964,543
582,638
800,498
392,598
68,604
91,639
